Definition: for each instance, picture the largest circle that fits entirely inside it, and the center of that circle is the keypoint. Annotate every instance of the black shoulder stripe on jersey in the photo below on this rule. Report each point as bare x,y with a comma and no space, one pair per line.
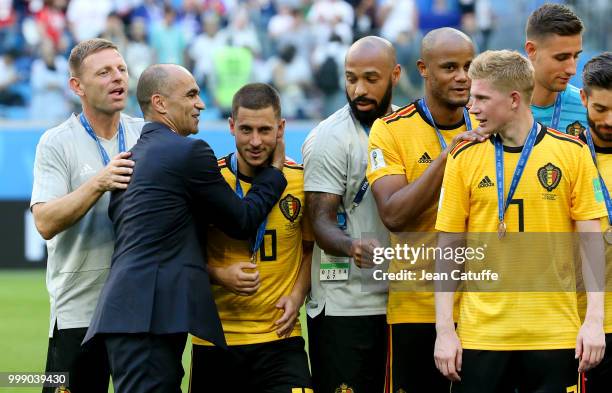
561,138
455,154
406,116
294,166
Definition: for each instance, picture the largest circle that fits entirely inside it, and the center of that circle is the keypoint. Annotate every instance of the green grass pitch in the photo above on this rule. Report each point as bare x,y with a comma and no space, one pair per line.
24,326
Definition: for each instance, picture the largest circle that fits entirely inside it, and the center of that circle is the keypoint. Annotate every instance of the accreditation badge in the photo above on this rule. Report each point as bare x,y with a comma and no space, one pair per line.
334,268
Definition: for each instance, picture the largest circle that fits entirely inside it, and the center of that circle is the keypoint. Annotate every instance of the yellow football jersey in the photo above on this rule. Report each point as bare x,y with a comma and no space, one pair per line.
405,143
604,164
250,319
558,187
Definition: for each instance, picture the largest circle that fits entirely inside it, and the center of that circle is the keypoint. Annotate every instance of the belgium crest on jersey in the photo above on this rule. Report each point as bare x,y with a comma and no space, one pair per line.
344,389
575,128
549,176
290,207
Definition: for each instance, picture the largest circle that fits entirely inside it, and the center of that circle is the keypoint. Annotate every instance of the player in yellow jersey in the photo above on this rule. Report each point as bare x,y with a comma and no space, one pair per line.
505,340
596,96
408,151
259,285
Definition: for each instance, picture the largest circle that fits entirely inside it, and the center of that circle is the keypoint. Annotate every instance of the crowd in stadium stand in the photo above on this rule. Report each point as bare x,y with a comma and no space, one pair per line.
296,45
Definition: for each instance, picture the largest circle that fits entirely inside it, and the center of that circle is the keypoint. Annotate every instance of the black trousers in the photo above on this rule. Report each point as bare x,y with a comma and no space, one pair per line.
537,371
87,366
412,367
599,379
348,353
279,366
146,363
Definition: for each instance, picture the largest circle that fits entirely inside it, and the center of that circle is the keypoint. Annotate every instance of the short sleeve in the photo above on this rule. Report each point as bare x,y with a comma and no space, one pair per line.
51,172
453,207
587,200
384,156
325,162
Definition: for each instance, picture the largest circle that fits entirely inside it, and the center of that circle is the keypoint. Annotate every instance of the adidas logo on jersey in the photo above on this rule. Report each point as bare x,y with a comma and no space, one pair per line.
425,159
485,182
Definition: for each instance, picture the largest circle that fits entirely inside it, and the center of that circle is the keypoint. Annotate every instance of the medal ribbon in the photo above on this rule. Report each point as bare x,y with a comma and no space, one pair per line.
556,116
254,246
90,131
466,118
604,189
518,171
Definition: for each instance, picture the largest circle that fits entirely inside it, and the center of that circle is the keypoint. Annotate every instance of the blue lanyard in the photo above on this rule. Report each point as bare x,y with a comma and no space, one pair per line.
604,189
554,121
103,153
262,228
363,187
466,118
518,171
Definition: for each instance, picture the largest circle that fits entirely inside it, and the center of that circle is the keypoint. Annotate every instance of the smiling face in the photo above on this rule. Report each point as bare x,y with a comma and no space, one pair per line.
554,58
445,70
183,102
102,81
255,131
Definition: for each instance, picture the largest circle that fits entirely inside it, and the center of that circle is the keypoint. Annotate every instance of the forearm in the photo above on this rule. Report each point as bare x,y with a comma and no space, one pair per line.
445,290
592,252
331,239
444,310
409,202
59,214
322,210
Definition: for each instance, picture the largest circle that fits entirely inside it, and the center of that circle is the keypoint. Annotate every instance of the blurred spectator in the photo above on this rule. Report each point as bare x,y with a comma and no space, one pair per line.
241,32
282,22
189,19
365,19
203,47
51,20
9,29
167,39
477,21
8,77
398,16
49,80
232,69
150,10
115,32
139,55
328,75
291,75
298,33
87,18
332,17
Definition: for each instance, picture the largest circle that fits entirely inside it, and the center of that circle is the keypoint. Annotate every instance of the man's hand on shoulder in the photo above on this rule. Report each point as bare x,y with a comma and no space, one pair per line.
117,174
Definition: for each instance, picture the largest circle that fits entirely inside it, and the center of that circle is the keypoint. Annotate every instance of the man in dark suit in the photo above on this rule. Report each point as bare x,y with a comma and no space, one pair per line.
158,288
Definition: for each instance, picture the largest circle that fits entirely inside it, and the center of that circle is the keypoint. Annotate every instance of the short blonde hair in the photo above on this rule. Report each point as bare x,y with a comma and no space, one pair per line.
506,70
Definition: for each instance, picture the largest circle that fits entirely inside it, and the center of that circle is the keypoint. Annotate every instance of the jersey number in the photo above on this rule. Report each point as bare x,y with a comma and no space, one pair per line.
521,213
267,251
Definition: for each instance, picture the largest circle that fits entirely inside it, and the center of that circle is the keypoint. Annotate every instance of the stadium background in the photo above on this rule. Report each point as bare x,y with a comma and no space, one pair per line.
283,42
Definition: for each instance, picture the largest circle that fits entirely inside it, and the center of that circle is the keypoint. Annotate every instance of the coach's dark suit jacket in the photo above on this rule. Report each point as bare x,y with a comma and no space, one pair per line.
158,281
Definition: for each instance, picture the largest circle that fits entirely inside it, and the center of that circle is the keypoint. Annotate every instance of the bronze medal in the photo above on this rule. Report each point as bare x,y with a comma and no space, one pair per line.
501,230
